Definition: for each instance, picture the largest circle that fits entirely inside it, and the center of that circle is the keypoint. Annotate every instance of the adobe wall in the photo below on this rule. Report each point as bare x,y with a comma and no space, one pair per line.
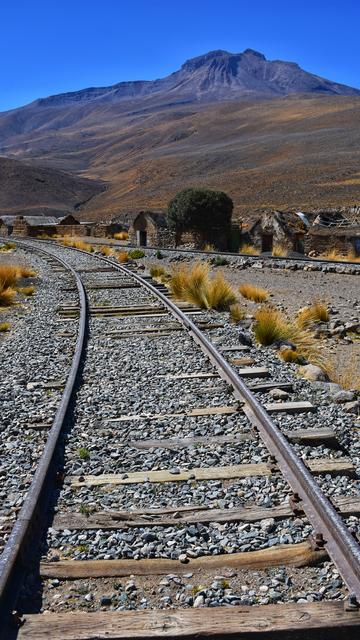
321,244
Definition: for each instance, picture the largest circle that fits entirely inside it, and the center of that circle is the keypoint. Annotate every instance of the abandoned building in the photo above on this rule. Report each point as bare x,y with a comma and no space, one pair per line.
34,226
335,230
150,228
275,228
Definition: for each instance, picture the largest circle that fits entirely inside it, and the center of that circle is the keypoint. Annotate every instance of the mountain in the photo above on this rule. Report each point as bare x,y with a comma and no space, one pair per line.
33,190
268,132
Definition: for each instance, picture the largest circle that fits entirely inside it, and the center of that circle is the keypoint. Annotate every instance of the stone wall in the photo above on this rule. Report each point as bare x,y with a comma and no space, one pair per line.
318,243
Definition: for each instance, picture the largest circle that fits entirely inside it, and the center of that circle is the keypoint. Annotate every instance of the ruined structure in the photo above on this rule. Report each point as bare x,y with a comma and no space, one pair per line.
275,228
150,228
35,226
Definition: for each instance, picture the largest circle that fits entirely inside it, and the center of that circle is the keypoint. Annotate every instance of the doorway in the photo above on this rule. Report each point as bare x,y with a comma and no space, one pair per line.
267,242
141,238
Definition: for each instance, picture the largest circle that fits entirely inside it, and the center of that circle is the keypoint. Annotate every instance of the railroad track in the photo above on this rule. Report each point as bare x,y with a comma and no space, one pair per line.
161,430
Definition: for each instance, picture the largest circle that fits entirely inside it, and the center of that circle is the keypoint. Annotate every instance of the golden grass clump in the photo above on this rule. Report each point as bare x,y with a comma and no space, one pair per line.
289,355
7,296
106,251
9,275
4,326
332,254
208,248
195,285
7,246
317,312
249,250
121,235
279,251
271,327
221,295
156,271
27,291
237,313
26,272
251,292
78,244
123,256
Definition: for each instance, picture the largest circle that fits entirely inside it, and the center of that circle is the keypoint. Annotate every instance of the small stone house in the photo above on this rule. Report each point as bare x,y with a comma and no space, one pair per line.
341,239
276,228
149,229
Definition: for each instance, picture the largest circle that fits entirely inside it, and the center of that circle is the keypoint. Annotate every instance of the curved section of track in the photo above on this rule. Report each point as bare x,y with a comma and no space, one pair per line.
341,546
22,534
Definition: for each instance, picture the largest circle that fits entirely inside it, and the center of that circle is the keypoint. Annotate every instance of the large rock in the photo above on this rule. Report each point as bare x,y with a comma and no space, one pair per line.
313,373
340,397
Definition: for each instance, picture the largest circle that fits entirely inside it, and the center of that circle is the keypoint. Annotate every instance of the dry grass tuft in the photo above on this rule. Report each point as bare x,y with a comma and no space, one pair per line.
195,285
237,313
156,271
208,248
123,256
122,235
271,327
27,272
289,355
251,292
7,296
318,312
9,275
27,291
7,246
279,251
249,250
333,254
4,326
78,244
106,251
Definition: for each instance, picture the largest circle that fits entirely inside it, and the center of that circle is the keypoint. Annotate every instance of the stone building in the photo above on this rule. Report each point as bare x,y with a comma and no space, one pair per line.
337,230
275,228
34,226
150,228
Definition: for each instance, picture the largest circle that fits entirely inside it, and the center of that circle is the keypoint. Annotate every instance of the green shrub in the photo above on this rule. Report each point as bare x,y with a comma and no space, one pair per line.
135,254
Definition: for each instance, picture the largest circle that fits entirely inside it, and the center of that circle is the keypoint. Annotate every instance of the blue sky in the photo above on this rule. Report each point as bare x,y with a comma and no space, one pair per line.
54,46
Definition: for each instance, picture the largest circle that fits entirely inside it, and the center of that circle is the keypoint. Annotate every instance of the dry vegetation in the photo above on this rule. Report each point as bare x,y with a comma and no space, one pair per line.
317,312
123,256
106,251
249,250
237,313
7,247
336,256
122,235
194,284
347,377
4,326
279,251
10,275
157,271
77,244
251,292
272,327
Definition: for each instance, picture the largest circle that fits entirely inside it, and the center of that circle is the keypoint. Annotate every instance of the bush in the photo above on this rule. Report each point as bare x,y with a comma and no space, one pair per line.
199,209
78,244
218,261
27,291
251,292
135,254
7,246
4,326
159,255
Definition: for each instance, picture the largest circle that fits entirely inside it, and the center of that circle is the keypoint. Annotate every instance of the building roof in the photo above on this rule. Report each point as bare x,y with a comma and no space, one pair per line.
158,218
32,221
338,232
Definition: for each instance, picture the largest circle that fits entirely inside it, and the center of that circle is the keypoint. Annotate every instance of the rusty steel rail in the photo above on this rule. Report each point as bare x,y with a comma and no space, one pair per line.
341,546
330,530
14,555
